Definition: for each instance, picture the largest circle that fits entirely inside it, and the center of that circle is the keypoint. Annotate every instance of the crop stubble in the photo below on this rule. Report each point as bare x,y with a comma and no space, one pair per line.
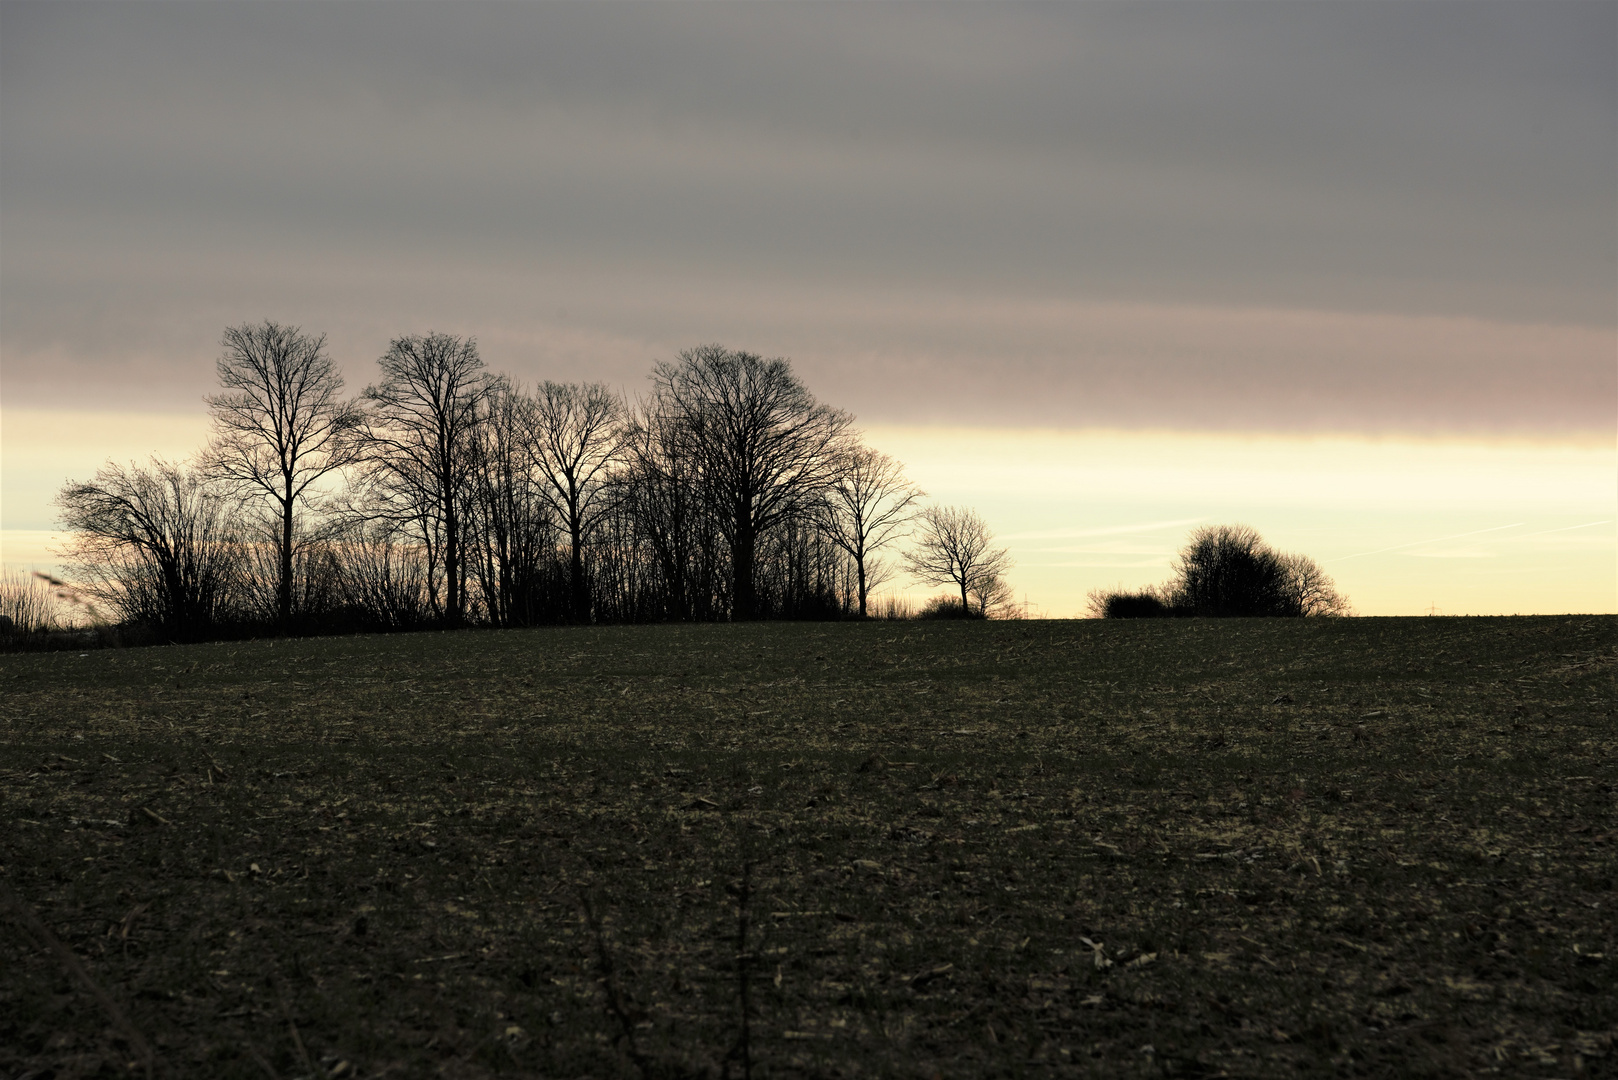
1195,848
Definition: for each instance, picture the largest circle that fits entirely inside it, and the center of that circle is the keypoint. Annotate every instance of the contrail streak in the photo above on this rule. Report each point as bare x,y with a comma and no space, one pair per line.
1565,528
1432,540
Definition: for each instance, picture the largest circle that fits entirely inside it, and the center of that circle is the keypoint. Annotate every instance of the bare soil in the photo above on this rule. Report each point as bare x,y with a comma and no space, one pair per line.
1361,847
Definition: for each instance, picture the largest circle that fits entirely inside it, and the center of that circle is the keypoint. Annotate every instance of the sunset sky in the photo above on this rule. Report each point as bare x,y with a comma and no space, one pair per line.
1344,272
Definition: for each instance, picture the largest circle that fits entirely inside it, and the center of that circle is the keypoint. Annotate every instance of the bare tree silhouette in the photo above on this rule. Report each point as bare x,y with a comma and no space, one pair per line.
869,504
763,447
1310,589
156,544
1228,570
578,438
952,547
664,500
280,426
420,442
730,492
513,541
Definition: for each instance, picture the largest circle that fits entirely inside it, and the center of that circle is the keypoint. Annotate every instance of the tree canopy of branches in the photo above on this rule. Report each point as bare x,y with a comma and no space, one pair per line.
953,546
1228,570
419,439
763,447
869,504
512,535
578,439
669,514
1225,571
1309,589
155,544
280,426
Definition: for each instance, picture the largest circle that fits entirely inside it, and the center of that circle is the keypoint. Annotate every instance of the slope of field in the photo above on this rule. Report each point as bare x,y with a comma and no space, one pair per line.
1189,848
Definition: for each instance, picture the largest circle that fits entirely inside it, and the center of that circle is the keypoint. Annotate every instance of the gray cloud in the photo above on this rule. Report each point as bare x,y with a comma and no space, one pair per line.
940,211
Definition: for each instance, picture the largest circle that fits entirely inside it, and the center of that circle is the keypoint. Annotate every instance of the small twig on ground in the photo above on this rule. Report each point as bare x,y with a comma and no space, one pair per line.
31,922
743,968
743,1048
292,1025
262,1062
609,982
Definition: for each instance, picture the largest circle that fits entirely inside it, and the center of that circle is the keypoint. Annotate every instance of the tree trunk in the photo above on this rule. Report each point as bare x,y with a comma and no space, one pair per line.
966,608
452,569
741,558
283,590
859,565
581,588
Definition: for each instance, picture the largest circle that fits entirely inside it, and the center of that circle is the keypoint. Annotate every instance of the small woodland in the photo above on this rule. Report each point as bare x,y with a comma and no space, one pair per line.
445,495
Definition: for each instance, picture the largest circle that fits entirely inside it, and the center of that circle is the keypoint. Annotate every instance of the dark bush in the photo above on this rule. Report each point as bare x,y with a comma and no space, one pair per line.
1137,605
1228,570
944,607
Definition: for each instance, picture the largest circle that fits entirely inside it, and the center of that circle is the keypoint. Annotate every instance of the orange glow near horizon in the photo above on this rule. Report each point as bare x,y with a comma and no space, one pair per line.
1406,525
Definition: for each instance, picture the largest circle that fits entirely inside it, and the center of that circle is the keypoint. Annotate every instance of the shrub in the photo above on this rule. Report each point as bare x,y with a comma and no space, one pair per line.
1228,570
892,608
26,606
947,607
1119,604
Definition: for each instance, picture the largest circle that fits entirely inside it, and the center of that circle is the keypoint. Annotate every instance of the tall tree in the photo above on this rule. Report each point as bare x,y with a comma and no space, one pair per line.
515,537
420,442
279,427
578,438
953,547
869,504
764,447
662,496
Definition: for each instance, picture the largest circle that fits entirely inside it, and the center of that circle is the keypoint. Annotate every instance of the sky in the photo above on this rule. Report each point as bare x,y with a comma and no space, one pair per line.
1345,272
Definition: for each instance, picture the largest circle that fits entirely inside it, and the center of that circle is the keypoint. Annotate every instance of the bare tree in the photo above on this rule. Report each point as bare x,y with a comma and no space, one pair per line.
419,437
953,548
662,495
996,598
279,427
1310,589
515,532
578,438
763,447
869,504
156,544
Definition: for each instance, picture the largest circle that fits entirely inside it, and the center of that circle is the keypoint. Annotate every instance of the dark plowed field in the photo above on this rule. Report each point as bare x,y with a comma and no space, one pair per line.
1379,847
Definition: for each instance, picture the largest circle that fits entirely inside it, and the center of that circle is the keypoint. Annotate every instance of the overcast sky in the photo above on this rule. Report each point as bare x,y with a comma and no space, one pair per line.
1356,217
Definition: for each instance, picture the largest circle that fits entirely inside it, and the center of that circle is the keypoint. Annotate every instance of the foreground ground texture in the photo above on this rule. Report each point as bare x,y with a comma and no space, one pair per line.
1188,848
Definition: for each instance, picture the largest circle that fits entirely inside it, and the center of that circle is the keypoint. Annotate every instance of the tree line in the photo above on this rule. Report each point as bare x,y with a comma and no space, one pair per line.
448,495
